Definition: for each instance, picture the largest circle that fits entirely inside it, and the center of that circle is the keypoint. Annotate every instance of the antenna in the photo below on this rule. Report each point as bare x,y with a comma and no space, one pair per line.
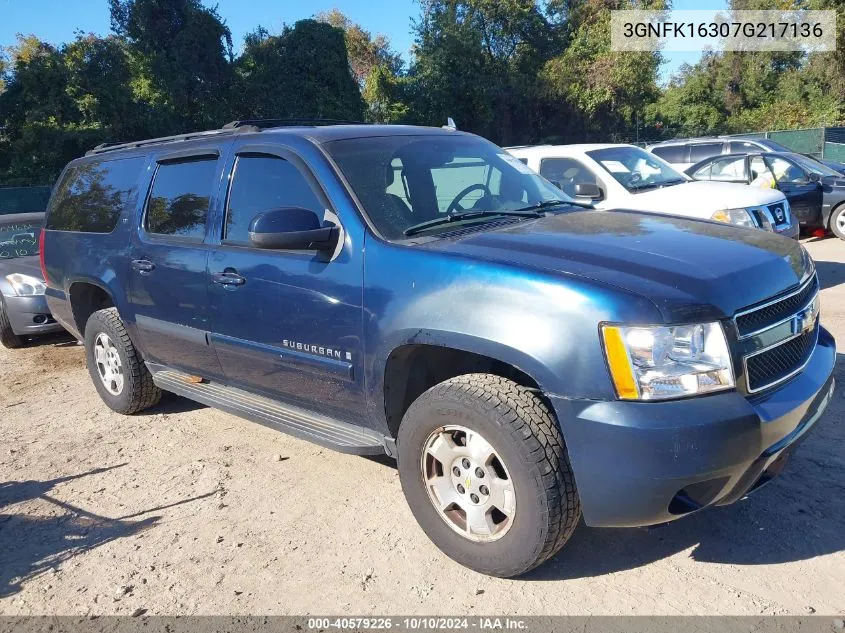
450,124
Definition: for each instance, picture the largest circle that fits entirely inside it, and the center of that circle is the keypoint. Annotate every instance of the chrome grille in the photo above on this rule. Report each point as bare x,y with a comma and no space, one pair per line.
778,363
756,319
793,319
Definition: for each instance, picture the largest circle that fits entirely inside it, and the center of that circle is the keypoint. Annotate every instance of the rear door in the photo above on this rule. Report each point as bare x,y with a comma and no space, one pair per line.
287,324
168,279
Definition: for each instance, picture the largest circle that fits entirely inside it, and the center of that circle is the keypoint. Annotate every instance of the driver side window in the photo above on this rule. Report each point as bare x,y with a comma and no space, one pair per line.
261,183
785,171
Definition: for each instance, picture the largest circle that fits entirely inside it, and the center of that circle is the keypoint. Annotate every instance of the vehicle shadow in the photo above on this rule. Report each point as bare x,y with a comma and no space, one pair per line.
830,273
798,516
55,339
33,544
171,403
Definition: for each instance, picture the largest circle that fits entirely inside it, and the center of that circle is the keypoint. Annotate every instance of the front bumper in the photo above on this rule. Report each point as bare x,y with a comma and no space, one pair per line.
643,463
792,229
30,316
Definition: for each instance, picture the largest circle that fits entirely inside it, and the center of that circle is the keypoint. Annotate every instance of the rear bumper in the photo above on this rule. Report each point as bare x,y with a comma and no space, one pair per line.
30,316
643,463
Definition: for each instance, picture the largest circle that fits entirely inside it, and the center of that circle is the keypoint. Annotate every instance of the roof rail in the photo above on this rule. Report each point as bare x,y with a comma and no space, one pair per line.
111,147
304,122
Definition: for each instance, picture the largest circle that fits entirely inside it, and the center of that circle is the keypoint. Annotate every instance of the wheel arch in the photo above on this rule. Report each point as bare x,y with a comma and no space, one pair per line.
86,296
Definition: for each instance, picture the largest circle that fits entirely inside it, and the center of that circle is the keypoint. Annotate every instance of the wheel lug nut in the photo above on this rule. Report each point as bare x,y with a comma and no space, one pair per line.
479,472
461,489
483,490
474,497
465,463
456,471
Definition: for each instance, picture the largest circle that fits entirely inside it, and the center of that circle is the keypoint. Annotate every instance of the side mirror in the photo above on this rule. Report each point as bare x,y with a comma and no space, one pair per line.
813,177
588,190
292,228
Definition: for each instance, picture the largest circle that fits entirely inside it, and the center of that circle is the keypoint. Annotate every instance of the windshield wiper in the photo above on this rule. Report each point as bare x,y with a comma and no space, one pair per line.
657,185
556,203
469,215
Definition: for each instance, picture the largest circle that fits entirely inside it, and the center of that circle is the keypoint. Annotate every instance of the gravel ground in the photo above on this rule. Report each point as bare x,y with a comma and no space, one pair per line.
188,510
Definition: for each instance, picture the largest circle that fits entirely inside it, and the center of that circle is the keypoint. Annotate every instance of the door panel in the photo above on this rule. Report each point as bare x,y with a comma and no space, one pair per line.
168,292
805,196
292,330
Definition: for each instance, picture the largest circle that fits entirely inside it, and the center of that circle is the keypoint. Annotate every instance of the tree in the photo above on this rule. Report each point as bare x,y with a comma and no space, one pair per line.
181,56
365,52
301,73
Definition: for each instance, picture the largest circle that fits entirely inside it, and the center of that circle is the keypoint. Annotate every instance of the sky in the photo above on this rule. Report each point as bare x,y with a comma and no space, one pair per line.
55,21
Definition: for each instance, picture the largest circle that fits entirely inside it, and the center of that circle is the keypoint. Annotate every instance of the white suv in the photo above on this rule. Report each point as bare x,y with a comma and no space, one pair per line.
627,177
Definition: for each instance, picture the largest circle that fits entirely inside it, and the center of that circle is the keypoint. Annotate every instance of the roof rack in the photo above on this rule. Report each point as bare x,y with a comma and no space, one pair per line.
304,122
111,147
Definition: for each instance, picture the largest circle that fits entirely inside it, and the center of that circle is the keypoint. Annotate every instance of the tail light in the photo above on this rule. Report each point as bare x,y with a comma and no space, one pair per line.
41,257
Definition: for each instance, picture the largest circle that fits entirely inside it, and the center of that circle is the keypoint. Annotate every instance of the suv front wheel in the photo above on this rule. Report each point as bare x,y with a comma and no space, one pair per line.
485,471
117,370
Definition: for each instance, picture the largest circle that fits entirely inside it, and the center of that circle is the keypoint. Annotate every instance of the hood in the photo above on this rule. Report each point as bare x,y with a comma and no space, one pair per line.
29,265
701,198
691,270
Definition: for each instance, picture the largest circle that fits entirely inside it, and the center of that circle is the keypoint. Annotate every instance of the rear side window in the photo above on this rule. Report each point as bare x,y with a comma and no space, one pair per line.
672,153
179,198
262,183
91,196
701,151
738,147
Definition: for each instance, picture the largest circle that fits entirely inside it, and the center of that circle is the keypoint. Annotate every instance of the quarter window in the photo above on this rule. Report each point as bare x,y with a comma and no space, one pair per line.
92,195
700,151
263,183
728,169
179,199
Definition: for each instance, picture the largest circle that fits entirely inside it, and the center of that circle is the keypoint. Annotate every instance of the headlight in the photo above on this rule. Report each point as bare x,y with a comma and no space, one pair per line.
738,217
659,362
26,286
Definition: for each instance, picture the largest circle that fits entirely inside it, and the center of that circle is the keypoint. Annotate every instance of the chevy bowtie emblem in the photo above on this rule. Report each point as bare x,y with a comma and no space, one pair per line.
804,321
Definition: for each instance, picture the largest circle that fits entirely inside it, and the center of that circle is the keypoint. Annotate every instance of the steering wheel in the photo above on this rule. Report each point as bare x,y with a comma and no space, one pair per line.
635,178
454,206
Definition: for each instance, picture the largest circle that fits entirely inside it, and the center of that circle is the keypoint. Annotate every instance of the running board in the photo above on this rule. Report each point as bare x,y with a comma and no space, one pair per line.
340,436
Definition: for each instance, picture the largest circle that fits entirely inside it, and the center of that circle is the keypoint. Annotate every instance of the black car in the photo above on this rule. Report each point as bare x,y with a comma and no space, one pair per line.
816,193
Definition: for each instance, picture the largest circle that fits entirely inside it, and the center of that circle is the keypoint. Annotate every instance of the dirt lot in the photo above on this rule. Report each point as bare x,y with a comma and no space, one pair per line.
189,510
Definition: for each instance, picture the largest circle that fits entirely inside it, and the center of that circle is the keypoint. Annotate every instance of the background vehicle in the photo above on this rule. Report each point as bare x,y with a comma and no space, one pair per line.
422,293
683,153
627,177
815,192
23,308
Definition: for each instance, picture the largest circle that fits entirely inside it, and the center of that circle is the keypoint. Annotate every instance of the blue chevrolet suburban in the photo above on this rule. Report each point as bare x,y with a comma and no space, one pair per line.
421,293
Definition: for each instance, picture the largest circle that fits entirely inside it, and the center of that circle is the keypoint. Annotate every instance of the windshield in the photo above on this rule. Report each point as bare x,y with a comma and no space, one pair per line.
19,240
636,169
812,165
403,181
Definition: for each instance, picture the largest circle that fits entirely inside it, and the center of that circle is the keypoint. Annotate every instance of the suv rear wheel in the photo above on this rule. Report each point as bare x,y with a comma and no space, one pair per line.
485,472
119,375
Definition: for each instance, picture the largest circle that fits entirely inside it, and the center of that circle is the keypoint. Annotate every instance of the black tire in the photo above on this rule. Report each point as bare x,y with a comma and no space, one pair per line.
521,429
138,392
833,223
7,336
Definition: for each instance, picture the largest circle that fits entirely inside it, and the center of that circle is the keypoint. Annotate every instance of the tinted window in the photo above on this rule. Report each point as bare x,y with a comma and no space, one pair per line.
19,239
566,173
262,183
700,151
178,203
738,147
91,196
672,153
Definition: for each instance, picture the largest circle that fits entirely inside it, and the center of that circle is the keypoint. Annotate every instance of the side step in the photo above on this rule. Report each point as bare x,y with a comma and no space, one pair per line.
340,436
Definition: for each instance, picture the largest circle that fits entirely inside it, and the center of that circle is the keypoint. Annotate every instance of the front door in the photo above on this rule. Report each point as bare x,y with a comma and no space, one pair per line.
287,324
168,292
804,195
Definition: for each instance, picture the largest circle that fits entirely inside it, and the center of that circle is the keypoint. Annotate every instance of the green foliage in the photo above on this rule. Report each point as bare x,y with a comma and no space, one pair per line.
515,71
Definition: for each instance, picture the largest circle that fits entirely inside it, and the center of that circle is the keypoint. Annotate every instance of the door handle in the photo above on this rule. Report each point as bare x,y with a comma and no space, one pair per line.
228,278
143,265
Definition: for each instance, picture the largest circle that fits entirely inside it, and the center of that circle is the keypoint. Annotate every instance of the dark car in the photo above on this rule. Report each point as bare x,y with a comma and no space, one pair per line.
23,308
816,193
421,293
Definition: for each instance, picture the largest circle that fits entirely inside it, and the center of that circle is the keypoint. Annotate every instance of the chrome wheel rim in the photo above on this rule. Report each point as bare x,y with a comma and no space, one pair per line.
468,483
109,367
